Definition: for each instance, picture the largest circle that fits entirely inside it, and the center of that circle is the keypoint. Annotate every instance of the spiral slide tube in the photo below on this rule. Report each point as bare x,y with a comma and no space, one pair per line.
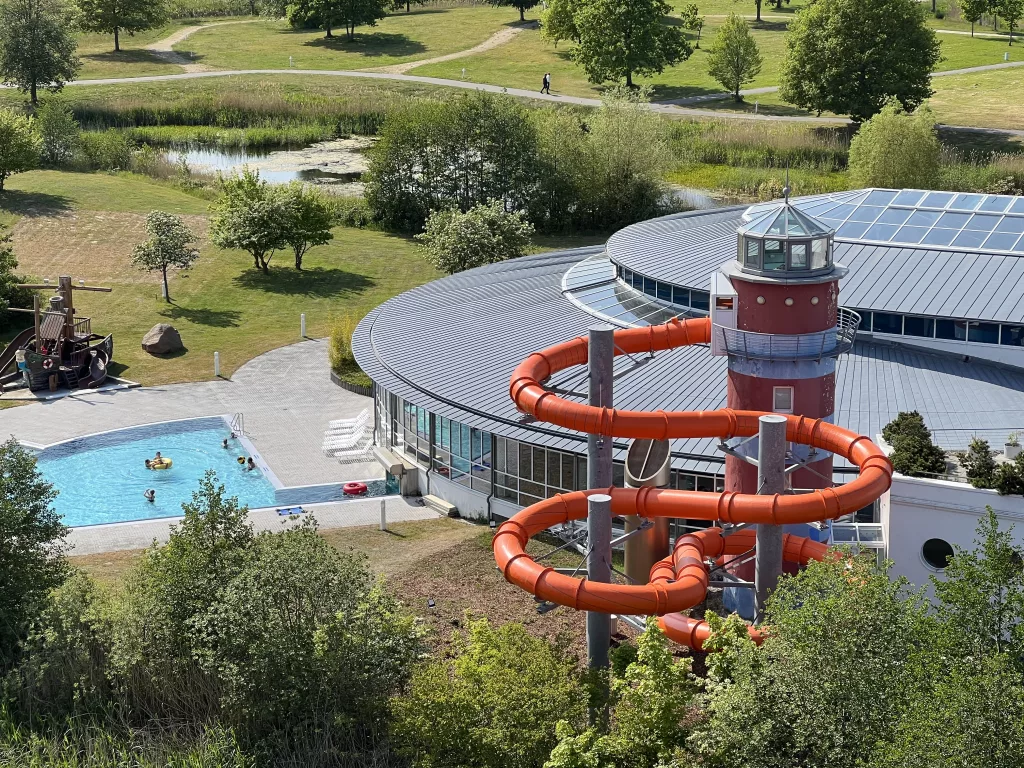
680,581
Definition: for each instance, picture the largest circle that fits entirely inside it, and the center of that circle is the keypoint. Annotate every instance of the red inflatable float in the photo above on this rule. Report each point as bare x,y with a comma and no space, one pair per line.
354,489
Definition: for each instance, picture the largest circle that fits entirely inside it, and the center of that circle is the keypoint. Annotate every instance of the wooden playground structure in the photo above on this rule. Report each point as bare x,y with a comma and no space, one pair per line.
59,349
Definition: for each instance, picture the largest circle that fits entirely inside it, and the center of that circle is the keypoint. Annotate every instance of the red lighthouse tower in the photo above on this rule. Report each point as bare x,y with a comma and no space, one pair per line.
775,314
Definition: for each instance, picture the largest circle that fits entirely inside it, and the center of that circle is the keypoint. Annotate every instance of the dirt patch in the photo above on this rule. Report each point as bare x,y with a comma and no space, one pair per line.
90,245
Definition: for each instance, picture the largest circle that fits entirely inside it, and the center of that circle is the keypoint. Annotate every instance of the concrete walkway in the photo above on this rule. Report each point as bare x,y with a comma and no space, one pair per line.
140,534
285,396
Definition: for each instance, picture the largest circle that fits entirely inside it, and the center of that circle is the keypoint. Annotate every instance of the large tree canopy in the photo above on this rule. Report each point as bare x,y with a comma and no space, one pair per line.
115,16
622,38
37,45
850,56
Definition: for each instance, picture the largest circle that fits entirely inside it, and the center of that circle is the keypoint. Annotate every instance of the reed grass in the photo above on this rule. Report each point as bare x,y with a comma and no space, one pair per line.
282,137
751,144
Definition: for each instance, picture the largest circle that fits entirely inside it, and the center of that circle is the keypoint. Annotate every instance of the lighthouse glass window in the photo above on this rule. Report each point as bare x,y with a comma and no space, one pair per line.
819,253
774,255
798,255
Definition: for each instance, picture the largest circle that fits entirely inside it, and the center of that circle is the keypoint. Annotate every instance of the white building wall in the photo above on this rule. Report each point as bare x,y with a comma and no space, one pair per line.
917,509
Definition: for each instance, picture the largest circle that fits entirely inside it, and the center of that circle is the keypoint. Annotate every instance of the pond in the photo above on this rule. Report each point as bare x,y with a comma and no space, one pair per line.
339,163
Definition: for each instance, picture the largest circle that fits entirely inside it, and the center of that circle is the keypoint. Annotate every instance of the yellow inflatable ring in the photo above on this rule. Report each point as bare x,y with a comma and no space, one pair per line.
161,464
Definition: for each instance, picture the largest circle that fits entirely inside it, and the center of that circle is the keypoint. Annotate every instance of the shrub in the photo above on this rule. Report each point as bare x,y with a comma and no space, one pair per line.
1009,477
12,294
485,234
895,149
105,151
340,349
19,144
59,133
33,547
495,705
978,463
351,211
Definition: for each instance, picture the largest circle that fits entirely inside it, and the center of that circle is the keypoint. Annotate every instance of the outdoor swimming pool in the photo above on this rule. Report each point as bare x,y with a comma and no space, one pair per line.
101,478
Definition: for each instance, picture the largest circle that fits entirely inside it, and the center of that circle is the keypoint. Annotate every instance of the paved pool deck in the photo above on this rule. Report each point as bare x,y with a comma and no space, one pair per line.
286,399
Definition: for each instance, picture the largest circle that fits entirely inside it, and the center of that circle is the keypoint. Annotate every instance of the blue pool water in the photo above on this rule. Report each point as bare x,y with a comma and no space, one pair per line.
101,478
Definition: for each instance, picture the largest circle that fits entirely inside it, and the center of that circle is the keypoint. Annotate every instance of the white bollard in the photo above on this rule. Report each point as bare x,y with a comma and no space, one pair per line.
302,325
1006,57
216,365
755,106
291,62
383,515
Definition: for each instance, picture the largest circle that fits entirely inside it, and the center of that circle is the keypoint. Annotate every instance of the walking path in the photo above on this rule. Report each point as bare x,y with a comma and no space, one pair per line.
499,38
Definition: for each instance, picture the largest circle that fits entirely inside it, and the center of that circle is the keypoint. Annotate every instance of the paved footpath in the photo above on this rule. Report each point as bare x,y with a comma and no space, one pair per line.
676,108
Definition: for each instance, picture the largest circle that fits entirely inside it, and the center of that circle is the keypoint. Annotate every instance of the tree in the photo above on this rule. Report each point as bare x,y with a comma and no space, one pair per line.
690,16
1011,11
734,59
169,246
37,45
981,594
622,38
113,17
456,153
831,679
249,215
308,220
914,454
32,543
399,4
59,133
851,56
12,294
978,463
328,13
521,5
973,10
895,149
19,144
558,21
484,234
495,705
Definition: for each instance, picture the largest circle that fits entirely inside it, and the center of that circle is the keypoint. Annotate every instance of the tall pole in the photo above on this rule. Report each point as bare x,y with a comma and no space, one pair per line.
771,479
601,357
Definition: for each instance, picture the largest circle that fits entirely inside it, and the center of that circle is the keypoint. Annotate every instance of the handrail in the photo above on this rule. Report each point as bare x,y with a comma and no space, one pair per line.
753,345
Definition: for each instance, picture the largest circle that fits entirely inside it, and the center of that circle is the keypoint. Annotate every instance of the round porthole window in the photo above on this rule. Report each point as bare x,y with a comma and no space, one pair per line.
937,553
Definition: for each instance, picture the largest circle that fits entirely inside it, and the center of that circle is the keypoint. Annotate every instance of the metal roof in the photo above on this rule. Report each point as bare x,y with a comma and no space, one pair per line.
451,345
941,281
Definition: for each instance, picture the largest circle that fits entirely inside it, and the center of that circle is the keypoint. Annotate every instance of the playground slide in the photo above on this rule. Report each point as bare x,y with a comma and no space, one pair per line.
7,356
680,581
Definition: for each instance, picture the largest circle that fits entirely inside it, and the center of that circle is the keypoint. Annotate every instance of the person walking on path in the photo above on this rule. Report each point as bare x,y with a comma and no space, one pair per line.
546,87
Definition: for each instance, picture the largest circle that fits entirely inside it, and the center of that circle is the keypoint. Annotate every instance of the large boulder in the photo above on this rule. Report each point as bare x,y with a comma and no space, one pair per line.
162,339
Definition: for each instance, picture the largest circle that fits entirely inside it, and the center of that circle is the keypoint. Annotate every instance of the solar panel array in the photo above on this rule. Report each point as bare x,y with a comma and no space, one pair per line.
944,220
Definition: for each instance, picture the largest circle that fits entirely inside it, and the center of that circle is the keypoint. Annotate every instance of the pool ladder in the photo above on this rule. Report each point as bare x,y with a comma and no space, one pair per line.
238,424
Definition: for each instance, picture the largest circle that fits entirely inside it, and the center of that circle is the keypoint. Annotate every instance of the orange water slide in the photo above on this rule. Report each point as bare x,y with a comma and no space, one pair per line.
680,581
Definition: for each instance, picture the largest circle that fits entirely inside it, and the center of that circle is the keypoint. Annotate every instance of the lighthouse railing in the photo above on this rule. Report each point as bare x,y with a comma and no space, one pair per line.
819,345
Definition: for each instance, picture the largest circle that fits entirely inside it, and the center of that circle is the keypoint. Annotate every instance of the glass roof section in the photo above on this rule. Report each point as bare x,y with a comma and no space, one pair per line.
785,221
915,217
593,285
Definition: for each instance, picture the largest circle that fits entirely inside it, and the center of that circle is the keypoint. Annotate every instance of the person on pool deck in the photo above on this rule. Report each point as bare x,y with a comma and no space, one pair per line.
250,465
150,495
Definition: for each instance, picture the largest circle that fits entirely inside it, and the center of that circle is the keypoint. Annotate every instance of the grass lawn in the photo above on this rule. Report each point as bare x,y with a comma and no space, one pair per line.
400,37
86,224
980,98
99,59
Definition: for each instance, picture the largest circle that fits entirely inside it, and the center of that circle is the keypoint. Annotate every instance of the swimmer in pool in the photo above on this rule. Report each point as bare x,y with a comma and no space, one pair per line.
150,495
225,443
250,465
149,464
